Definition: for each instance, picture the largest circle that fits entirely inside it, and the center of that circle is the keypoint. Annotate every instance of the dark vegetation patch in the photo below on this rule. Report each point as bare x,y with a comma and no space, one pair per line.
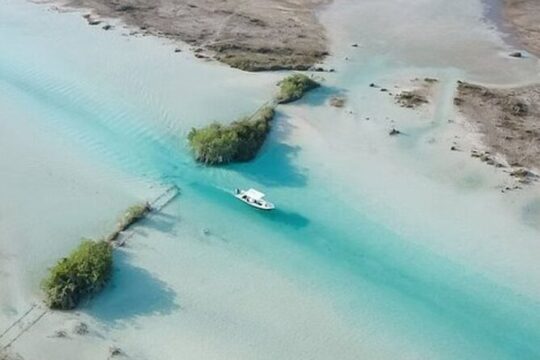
82,273
240,141
293,87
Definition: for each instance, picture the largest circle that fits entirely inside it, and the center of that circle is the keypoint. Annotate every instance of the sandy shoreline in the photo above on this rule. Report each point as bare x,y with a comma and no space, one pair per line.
249,35
507,118
522,16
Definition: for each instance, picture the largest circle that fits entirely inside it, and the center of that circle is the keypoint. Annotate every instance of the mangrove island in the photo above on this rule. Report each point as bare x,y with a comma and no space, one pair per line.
240,141
83,273
294,86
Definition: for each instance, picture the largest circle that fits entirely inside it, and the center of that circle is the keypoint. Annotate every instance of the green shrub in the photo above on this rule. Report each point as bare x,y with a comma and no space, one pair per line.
293,87
83,273
132,214
240,141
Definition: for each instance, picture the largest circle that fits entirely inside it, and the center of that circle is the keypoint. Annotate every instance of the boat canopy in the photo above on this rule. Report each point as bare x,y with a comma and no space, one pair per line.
254,194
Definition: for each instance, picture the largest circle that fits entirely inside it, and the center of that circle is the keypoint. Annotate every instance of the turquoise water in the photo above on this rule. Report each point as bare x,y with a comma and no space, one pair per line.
129,104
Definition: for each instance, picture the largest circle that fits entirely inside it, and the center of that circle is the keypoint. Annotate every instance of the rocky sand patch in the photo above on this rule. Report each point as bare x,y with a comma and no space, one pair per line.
508,120
249,35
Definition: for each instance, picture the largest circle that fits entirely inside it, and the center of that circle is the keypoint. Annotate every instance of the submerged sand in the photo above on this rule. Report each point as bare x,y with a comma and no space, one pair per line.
250,35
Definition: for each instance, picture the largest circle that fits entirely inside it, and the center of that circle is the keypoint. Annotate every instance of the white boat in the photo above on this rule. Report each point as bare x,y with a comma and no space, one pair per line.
254,198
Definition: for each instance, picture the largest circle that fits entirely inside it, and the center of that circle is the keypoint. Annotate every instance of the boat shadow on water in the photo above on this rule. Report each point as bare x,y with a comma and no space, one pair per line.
279,215
289,218
225,198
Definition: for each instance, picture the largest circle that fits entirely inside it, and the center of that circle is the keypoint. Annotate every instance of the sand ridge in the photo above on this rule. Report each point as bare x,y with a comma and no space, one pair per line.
251,35
507,119
523,15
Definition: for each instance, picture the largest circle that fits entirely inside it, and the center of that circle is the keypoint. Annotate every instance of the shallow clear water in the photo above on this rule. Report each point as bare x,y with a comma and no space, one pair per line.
377,248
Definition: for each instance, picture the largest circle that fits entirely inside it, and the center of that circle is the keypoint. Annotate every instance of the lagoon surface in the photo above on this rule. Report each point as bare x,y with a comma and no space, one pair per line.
381,247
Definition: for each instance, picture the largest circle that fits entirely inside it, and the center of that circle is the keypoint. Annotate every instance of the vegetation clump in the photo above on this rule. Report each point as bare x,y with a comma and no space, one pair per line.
83,273
411,99
264,58
240,141
133,214
337,101
293,87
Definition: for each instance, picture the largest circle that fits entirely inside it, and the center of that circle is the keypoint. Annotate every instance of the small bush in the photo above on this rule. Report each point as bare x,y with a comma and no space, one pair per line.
83,273
337,101
240,141
293,87
132,214
411,99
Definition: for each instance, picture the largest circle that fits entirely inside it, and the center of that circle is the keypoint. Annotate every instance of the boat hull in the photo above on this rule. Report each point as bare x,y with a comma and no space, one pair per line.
267,207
